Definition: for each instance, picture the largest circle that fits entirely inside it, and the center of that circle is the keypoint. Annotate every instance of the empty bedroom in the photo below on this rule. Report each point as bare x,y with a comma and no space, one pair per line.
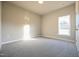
39,28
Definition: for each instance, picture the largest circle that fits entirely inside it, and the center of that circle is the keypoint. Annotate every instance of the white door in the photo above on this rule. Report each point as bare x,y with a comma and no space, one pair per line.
77,25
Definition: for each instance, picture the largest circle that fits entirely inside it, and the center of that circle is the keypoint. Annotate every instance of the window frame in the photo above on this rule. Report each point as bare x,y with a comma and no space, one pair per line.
65,29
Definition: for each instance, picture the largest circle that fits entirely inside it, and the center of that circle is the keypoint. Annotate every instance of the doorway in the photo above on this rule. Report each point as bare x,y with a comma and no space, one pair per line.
26,33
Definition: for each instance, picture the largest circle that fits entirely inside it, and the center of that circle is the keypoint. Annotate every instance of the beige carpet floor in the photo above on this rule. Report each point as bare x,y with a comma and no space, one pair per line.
40,47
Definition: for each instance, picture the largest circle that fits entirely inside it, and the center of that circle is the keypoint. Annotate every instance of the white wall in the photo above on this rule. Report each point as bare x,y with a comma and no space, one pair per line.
0,25
50,23
13,20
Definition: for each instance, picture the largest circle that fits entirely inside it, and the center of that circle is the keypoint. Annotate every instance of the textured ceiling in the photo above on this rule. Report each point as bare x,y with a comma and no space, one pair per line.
44,8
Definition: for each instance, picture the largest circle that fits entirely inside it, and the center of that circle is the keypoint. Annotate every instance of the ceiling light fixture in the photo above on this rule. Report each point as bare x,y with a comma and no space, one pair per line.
40,2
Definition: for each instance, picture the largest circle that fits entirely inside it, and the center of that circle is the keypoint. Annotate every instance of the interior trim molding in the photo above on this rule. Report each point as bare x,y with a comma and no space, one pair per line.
15,40
38,36
10,41
59,39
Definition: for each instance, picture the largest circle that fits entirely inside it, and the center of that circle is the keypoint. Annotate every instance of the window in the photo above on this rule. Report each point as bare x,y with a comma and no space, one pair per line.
64,25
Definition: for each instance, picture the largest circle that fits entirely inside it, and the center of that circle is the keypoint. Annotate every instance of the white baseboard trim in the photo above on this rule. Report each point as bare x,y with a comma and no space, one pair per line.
66,40
10,41
59,39
37,36
15,40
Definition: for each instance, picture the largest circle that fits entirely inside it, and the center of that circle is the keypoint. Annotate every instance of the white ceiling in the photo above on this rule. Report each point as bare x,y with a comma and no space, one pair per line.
44,8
